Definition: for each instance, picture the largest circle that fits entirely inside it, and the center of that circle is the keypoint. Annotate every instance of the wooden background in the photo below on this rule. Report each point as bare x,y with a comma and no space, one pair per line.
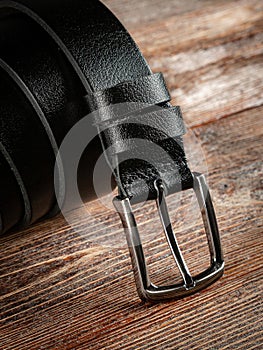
59,289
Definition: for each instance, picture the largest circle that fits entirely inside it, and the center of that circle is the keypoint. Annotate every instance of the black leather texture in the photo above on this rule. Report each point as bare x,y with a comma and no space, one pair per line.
10,194
60,60
148,89
125,118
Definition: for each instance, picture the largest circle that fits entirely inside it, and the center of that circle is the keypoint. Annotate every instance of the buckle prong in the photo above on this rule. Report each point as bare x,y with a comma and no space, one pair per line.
170,236
147,290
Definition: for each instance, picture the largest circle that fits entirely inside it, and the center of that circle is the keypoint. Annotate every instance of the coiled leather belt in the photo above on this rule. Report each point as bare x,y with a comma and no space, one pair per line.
61,60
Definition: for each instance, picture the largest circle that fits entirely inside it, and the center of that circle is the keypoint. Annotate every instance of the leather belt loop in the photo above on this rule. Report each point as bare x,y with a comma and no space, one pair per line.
150,89
134,110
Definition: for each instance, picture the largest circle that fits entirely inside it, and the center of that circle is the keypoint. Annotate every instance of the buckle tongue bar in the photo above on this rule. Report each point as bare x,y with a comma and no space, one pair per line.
147,290
170,236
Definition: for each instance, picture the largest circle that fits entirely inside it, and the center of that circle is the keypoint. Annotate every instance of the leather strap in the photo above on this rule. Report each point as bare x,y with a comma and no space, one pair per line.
153,125
27,148
123,125
10,191
30,59
92,50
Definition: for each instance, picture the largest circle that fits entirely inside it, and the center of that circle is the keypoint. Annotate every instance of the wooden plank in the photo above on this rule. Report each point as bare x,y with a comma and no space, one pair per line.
134,14
59,289
211,53
62,290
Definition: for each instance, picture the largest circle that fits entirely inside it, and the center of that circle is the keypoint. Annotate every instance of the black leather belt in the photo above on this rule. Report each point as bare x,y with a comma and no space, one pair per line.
68,58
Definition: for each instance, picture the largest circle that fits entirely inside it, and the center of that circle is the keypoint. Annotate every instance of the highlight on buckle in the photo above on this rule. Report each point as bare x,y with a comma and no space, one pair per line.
146,289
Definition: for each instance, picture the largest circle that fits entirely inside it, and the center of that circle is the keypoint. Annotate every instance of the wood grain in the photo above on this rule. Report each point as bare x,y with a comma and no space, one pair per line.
60,289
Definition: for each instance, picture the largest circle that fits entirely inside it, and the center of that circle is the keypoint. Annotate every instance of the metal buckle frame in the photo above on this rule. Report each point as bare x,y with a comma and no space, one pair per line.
147,290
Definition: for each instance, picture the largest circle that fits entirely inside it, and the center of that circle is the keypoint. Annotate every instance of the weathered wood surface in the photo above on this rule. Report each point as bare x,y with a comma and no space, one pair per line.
61,290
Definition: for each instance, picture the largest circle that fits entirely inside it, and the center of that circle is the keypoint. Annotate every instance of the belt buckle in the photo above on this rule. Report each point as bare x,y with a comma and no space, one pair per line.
146,289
